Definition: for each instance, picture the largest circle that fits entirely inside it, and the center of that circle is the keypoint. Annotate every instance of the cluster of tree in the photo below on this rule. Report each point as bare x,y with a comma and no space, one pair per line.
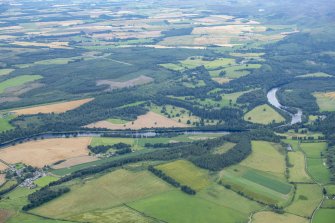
253,99
44,195
99,149
6,190
170,180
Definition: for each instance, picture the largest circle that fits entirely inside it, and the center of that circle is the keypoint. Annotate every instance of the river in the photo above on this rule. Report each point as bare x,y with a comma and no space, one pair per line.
273,100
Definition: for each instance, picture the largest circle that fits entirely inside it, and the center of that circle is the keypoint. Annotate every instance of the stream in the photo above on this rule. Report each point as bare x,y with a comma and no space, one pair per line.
273,100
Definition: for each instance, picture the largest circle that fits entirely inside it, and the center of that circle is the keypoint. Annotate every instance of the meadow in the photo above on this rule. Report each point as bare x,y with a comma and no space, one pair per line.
264,114
324,216
267,216
325,101
17,81
297,172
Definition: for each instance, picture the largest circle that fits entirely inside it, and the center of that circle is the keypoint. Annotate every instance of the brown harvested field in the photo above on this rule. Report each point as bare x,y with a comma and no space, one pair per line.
46,152
2,180
75,161
130,83
3,166
330,95
4,215
56,108
149,120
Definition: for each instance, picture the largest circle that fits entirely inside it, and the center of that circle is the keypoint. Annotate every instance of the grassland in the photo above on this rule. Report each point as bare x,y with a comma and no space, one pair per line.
297,172
113,215
263,114
224,148
4,123
98,141
318,74
267,216
306,199
17,81
117,121
316,165
4,72
115,188
44,181
326,101
45,152
176,206
186,173
267,157
52,108
324,216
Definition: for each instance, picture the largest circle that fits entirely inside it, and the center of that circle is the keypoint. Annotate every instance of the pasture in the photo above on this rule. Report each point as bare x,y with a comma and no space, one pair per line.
113,215
115,188
52,108
324,216
4,123
98,141
267,216
44,181
297,172
4,72
313,150
176,206
263,114
45,152
186,173
307,198
325,101
17,81
149,120
266,157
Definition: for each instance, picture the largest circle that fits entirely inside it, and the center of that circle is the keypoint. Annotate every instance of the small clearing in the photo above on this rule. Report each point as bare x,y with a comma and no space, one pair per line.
149,120
125,84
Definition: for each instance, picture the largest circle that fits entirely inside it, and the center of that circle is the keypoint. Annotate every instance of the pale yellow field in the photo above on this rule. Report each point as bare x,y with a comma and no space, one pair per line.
267,216
63,45
3,166
149,120
75,161
56,108
45,152
221,80
2,179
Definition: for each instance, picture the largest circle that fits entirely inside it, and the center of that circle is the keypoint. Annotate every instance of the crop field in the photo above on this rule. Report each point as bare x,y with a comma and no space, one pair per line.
176,206
149,120
113,215
73,161
297,172
52,108
307,197
265,156
263,114
326,101
324,216
45,152
17,81
259,185
267,216
115,188
186,173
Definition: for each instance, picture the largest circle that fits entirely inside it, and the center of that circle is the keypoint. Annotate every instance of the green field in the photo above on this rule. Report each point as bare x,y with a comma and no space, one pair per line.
17,81
186,173
117,121
44,181
113,215
266,157
224,148
4,123
325,103
176,207
297,172
307,198
105,192
316,165
259,185
263,114
28,218
97,141
324,216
